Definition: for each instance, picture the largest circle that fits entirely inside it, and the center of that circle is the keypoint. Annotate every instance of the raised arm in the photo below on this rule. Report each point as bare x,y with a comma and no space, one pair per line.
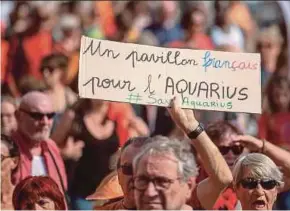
220,175
280,156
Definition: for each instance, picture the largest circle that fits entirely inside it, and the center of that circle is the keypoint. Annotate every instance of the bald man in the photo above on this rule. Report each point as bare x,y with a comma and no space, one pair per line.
39,155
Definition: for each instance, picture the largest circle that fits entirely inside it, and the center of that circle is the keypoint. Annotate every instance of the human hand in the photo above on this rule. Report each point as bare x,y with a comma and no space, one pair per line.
7,187
73,150
183,118
139,127
250,142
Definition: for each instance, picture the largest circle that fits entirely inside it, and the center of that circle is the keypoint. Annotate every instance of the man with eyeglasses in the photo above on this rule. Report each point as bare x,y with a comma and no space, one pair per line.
165,171
39,155
125,174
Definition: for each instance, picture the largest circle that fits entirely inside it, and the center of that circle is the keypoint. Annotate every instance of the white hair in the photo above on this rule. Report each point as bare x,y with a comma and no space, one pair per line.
260,165
180,149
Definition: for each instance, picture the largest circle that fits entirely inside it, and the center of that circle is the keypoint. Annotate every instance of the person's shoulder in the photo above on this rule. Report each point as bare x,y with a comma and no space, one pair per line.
71,96
52,145
112,204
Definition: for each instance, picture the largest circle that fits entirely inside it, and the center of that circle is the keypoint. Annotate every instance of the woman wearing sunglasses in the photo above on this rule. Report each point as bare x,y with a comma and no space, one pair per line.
257,176
232,145
222,133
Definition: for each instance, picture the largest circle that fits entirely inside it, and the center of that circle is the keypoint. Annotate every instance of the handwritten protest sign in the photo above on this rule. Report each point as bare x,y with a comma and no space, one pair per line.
208,80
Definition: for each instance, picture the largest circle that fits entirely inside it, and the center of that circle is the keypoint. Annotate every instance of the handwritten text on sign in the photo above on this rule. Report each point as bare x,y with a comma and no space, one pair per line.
140,74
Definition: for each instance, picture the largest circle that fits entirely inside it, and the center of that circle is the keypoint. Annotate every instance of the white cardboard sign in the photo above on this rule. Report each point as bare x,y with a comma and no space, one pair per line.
207,80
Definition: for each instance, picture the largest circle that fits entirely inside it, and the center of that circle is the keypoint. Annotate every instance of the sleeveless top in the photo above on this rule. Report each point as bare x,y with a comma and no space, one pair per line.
94,164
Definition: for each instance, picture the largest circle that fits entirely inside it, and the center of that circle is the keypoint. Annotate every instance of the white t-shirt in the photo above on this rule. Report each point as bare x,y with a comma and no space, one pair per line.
233,37
38,166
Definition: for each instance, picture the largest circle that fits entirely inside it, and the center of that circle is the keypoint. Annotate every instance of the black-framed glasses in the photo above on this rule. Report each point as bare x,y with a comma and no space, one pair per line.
160,183
126,169
37,115
250,183
236,149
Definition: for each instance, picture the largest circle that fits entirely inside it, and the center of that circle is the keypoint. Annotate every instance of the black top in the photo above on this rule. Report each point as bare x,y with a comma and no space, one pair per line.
93,166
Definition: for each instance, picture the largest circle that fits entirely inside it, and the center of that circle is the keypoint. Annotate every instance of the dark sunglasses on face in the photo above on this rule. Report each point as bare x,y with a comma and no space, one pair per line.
126,169
250,183
236,149
49,68
37,115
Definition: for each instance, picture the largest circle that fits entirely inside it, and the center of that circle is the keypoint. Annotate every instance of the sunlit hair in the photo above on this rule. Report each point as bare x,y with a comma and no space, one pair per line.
55,60
136,142
29,191
260,166
276,82
217,130
9,99
180,149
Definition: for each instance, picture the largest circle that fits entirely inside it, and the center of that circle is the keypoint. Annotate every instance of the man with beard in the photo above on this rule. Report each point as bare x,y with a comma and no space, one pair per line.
39,155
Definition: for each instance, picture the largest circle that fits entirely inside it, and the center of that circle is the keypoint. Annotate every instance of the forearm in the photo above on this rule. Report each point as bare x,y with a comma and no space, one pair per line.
219,174
279,155
212,160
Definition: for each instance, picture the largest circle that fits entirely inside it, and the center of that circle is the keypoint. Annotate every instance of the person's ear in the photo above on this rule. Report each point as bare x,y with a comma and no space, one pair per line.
17,115
191,182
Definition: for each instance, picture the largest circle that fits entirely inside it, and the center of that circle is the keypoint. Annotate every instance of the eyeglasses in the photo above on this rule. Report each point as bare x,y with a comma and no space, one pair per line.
236,149
126,169
160,183
49,68
251,183
38,116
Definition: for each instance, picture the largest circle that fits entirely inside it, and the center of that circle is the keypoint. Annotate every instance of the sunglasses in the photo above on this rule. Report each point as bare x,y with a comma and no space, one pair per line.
266,184
126,169
38,116
236,149
49,68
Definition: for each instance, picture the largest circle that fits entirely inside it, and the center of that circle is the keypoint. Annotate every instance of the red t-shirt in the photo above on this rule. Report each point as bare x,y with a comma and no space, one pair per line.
275,128
226,201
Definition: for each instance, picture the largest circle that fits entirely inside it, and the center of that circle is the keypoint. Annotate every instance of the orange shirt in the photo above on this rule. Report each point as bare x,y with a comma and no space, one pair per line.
240,15
35,48
121,113
4,58
107,18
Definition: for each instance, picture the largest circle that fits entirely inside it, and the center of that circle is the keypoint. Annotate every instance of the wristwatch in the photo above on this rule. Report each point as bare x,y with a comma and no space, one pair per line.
195,133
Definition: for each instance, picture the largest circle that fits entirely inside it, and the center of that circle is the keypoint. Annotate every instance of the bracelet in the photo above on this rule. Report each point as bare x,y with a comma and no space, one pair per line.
195,133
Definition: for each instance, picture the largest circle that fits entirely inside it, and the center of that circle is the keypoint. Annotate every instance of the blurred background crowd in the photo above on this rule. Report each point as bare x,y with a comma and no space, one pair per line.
40,44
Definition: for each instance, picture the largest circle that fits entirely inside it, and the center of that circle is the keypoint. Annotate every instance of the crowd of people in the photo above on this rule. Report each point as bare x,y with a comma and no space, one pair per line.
62,152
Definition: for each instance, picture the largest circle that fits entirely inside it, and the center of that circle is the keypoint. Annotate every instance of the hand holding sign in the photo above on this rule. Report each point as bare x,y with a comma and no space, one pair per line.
183,118
207,80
